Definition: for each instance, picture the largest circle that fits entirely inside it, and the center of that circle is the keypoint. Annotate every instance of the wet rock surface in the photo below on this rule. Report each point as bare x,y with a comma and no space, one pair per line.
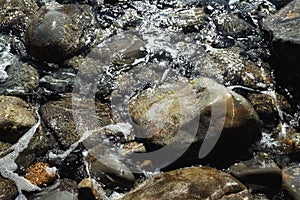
59,32
58,116
290,178
259,173
15,15
190,183
128,90
66,189
16,117
284,28
168,113
8,189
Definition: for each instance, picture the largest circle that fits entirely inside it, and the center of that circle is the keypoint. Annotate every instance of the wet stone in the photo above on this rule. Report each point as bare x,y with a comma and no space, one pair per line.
3,147
259,173
284,27
16,117
59,32
22,79
66,190
169,113
290,179
58,82
90,189
265,107
190,183
109,169
8,189
16,14
58,117
16,77
232,25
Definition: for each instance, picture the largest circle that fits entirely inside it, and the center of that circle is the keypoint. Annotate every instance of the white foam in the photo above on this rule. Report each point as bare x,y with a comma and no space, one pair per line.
8,165
6,59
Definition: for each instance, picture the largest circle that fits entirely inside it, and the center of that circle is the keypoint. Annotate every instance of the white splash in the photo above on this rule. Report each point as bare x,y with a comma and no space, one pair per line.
6,59
8,165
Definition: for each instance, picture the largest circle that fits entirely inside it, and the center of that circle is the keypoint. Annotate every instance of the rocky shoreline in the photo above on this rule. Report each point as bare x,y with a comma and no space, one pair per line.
156,99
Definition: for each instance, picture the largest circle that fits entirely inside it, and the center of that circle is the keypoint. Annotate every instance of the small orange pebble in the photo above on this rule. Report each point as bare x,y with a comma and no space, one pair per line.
41,174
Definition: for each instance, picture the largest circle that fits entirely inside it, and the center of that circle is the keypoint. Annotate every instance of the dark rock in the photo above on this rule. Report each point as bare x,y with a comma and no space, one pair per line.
16,14
65,190
108,169
41,142
284,27
3,147
232,25
90,189
58,82
22,79
16,118
59,32
270,106
265,106
290,178
16,77
168,113
190,183
259,173
58,116
280,3
8,189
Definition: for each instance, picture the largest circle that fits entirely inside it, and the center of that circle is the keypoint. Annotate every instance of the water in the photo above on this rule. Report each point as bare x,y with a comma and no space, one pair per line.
8,165
172,45
6,58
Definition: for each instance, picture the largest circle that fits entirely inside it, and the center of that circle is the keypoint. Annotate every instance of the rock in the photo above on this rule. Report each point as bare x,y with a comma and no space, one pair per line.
65,190
41,142
58,82
3,148
16,77
41,174
70,167
90,189
22,80
16,118
280,3
259,173
8,189
59,32
16,14
109,169
290,179
187,18
284,27
169,113
232,25
190,183
265,106
228,67
58,117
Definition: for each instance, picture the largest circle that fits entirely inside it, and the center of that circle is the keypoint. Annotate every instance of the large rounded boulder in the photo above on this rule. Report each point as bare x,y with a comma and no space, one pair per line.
186,112
59,32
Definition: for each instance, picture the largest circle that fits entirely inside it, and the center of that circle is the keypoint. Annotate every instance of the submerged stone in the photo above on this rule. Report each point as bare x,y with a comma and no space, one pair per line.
259,173
16,118
284,28
181,112
58,116
190,183
59,32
